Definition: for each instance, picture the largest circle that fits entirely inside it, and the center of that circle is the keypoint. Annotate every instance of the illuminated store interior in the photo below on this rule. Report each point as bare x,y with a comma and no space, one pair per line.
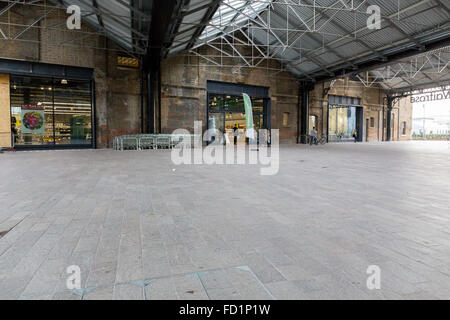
50,112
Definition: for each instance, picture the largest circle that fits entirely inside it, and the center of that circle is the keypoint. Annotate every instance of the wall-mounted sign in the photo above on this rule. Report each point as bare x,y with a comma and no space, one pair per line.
33,119
432,96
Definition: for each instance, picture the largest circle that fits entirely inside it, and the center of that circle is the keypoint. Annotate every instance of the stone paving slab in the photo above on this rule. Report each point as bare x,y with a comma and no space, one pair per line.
222,284
138,229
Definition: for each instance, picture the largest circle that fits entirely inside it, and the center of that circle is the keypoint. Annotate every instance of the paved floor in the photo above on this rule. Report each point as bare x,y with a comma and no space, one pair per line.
139,229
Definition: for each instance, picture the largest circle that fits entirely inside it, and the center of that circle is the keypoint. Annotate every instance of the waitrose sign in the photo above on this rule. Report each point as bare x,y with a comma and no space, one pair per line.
433,96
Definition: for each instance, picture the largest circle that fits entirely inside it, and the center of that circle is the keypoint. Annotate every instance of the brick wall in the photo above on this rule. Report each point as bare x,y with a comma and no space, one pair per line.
117,90
374,107
405,110
184,80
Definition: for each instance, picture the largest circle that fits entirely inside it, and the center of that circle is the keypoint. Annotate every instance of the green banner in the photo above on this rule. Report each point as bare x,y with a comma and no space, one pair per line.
250,130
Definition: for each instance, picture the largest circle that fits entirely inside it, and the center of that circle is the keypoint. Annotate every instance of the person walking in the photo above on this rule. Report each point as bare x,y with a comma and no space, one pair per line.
355,135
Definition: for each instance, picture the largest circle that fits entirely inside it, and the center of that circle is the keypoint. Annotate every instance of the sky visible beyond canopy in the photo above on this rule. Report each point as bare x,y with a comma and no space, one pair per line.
436,114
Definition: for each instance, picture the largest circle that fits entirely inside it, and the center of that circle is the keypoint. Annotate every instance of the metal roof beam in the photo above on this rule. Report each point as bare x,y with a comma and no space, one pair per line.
192,11
175,23
309,56
393,24
162,28
208,16
348,33
9,6
443,6
98,15
18,35
422,86
373,64
391,16
135,10
112,17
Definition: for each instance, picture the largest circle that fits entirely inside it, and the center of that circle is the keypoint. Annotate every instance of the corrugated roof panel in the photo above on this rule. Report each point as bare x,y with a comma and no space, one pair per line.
114,19
327,35
307,66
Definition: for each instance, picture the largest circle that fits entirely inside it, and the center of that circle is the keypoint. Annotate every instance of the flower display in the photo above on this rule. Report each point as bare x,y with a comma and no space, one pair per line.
33,121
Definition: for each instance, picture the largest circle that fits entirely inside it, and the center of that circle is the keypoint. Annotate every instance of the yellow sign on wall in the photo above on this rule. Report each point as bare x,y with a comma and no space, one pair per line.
5,112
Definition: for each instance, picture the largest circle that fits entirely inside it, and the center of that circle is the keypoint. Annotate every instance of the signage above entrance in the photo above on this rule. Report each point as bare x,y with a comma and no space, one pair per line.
344,101
432,96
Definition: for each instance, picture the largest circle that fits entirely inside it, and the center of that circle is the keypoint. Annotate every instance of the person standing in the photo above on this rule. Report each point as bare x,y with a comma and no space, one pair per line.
14,130
235,133
313,136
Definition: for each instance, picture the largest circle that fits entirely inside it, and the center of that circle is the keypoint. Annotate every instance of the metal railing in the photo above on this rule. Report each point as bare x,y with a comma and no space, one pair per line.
153,141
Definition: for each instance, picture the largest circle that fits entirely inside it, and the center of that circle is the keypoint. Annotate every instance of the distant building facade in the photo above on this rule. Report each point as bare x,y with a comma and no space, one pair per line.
75,97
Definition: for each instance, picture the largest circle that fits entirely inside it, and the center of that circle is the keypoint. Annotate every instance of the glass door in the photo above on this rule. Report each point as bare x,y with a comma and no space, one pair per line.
235,124
73,108
227,112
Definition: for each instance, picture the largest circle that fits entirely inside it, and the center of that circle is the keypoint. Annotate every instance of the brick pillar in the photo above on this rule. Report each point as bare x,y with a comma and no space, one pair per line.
5,112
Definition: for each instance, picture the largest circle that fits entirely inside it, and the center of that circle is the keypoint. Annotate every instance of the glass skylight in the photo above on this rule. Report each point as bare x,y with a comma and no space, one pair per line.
232,13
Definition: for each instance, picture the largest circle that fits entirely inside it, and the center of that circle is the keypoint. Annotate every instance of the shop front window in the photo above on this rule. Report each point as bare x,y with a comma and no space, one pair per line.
51,112
227,112
258,105
31,111
72,107
234,104
215,102
342,123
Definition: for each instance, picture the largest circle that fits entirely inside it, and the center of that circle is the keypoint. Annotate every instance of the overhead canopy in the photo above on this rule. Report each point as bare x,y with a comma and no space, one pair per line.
316,40
427,70
126,22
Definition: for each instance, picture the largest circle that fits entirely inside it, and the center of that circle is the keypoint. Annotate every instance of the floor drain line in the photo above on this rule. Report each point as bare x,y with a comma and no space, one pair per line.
4,233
